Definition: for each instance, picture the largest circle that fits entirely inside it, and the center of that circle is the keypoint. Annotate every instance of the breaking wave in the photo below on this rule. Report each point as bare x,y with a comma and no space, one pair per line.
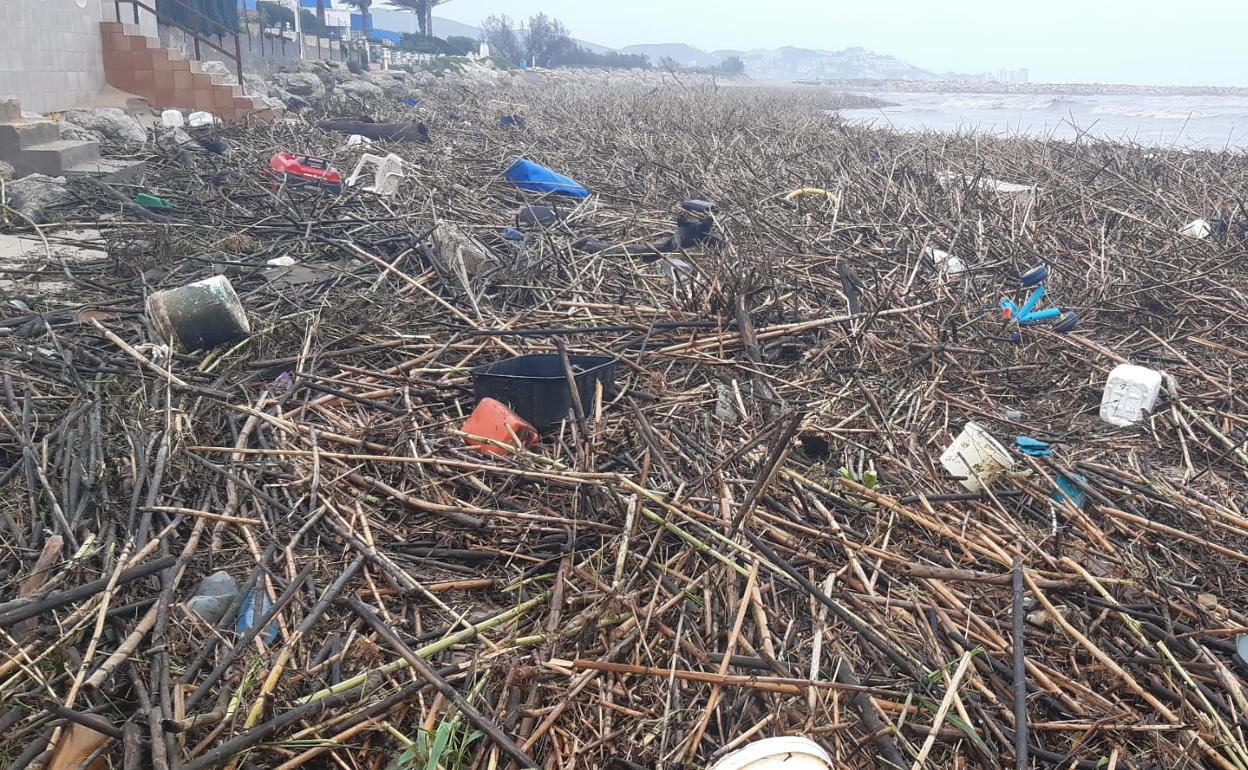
999,102
1161,114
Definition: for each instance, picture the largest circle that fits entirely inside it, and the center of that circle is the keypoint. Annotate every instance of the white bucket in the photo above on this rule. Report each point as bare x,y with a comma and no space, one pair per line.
1130,393
787,753
976,457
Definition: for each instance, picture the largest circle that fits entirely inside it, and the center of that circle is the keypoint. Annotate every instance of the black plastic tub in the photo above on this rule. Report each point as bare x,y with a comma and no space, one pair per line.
536,388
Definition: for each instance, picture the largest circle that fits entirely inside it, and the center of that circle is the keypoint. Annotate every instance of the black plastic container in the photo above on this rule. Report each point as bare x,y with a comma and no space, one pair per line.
536,388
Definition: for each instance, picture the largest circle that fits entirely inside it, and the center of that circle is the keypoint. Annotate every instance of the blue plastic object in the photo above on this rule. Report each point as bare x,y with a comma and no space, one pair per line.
530,176
512,234
1069,490
1036,275
1034,447
254,606
511,121
1066,322
410,101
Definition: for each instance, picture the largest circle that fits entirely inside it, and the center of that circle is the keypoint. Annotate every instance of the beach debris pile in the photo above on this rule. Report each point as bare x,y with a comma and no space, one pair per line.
311,475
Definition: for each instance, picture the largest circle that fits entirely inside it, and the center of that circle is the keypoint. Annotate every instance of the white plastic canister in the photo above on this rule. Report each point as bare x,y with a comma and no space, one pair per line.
787,753
1130,392
976,457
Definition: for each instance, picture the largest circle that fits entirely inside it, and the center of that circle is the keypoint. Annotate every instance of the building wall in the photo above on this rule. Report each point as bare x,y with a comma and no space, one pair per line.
50,54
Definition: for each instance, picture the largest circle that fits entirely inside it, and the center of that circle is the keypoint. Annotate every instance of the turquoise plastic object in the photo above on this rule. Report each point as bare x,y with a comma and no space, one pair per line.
1069,490
1034,447
533,177
254,606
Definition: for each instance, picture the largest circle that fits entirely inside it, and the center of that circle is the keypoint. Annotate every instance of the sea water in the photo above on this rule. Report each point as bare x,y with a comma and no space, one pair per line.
1190,122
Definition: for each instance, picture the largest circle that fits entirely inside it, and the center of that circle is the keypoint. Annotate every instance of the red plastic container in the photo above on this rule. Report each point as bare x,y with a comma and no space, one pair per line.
305,169
492,419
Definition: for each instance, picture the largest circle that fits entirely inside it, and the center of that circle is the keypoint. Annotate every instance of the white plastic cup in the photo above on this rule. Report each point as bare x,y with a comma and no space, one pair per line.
1130,393
786,753
976,457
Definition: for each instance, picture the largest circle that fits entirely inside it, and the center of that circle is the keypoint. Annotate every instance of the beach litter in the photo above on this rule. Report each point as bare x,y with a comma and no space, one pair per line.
711,517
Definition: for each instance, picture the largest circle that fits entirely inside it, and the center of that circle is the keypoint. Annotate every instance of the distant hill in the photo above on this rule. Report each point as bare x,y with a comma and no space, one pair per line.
684,55
791,63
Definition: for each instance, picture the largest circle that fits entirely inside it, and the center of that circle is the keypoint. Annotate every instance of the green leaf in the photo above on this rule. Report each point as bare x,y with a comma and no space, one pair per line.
440,739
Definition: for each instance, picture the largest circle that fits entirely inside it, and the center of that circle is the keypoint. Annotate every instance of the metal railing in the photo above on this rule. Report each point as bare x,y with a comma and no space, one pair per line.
225,31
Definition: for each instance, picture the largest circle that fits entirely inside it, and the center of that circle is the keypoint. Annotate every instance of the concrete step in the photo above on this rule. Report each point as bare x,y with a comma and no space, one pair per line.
107,169
52,158
19,135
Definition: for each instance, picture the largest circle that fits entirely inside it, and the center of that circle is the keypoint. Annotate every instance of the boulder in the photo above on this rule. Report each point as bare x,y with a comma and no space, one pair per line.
304,84
361,90
228,76
254,85
78,133
392,82
30,195
111,123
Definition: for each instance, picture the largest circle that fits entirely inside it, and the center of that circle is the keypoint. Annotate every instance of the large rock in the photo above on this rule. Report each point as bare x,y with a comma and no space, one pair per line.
78,133
361,90
254,85
392,82
31,195
303,84
110,122
228,76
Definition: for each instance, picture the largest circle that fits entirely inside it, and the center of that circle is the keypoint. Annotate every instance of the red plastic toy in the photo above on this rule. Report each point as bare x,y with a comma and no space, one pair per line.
305,169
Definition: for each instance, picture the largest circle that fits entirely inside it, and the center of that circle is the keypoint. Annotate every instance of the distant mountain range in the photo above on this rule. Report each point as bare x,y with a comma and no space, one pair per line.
791,63
787,63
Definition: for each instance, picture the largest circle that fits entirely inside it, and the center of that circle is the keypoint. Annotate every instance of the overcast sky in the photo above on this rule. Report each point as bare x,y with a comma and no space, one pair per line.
1157,42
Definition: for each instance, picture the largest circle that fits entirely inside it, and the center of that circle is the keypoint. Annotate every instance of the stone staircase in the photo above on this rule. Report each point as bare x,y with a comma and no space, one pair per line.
141,65
35,146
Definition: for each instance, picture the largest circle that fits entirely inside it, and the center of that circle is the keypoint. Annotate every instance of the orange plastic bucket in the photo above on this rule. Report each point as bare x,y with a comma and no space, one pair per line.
492,419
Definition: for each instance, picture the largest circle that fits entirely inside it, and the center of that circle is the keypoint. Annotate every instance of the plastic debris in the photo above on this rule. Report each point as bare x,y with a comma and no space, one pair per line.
200,118
255,605
1130,394
172,119
305,170
355,140
1198,229
213,597
511,121
1067,489
387,174
789,752
945,262
976,458
533,177
149,201
199,315
491,419
1033,447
